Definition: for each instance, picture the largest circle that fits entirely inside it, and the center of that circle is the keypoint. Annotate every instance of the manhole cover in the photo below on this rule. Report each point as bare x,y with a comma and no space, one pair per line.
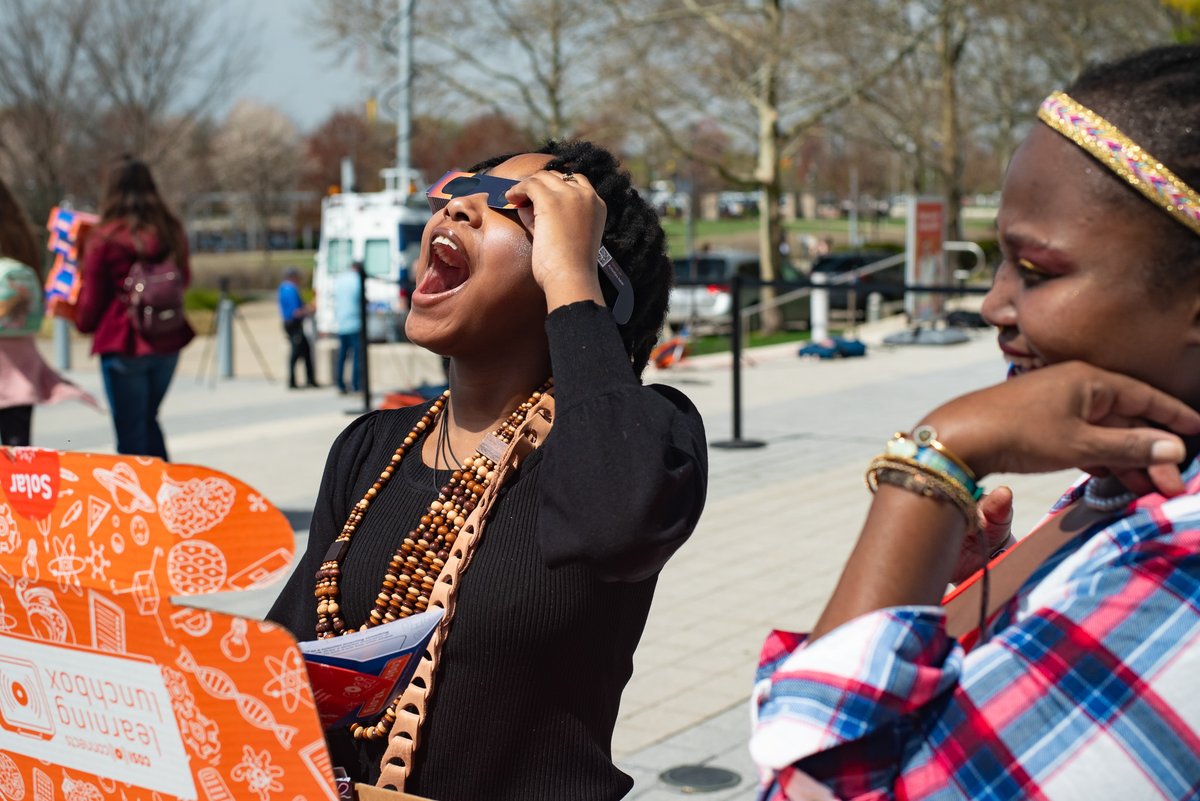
699,778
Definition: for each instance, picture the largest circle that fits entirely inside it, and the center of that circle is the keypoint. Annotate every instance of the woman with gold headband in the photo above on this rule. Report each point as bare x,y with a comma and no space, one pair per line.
1067,667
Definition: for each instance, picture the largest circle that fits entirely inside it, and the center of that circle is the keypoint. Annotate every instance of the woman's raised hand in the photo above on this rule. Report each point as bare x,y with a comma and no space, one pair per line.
1071,415
1064,415
566,218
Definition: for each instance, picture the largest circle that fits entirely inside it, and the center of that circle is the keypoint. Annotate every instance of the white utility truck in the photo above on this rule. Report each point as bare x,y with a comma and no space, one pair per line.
383,231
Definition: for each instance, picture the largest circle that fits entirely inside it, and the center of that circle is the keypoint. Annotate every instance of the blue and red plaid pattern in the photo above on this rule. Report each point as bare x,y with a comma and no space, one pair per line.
1088,687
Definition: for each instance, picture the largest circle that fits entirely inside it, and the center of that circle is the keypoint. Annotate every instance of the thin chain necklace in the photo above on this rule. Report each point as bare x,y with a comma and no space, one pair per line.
443,450
416,564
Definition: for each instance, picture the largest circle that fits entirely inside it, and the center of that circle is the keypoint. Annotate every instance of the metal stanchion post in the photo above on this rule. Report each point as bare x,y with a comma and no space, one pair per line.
62,343
225,335
735,321
363,342
819,303
874,307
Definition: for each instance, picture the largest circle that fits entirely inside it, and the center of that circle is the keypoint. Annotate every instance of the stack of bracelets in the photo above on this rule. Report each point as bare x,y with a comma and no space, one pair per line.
919,463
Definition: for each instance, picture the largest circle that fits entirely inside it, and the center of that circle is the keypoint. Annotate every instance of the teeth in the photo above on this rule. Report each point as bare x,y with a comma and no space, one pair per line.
444,240
1023,364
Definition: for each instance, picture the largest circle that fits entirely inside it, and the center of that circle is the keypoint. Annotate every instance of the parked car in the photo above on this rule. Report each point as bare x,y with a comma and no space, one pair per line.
889,282
701,296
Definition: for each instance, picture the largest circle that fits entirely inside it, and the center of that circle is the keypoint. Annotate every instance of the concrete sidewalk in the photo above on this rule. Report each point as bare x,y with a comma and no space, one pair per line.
779,522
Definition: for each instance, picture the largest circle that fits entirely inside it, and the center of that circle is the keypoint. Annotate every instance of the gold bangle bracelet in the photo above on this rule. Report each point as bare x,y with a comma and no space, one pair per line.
938,477
923,480
947,487
927,436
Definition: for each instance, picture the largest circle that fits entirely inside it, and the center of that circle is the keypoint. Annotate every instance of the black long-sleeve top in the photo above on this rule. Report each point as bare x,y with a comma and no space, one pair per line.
553,604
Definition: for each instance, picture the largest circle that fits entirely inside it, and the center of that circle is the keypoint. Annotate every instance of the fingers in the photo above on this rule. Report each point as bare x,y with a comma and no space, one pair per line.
1118,435
1166,479
550,184
1142,447
996,508
549,190
995,517
1112,397
1074,415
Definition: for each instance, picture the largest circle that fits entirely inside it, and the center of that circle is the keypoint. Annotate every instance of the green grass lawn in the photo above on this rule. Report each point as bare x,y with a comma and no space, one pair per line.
247,271
720,343
742,233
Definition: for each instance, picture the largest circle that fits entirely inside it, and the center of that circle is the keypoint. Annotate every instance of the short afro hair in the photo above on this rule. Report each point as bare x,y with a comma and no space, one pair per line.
1154,98
632,234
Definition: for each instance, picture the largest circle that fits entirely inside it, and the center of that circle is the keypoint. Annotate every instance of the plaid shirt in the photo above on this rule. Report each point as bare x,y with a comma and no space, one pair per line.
1088,688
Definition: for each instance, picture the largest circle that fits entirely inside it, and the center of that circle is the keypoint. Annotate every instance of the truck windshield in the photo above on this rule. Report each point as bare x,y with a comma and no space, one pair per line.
339,255
377,258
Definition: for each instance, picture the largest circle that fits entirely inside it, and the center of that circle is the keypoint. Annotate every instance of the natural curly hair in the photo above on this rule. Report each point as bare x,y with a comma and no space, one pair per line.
1154,98
632,234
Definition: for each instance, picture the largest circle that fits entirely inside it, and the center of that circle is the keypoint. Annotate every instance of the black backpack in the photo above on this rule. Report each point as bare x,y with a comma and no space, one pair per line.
154,295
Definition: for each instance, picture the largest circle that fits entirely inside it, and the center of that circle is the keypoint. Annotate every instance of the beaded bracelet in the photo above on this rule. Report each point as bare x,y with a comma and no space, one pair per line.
925,480
922,446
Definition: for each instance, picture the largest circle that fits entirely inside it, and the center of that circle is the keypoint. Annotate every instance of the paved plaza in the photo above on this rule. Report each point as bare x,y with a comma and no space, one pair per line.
779,522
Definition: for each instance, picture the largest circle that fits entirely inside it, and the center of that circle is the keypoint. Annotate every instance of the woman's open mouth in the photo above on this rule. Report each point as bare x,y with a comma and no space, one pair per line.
448,269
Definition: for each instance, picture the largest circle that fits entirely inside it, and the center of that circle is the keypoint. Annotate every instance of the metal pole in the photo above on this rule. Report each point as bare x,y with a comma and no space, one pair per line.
689,227
819,303
404,113
854,242
735,322
225,337
62,343
874,307
364,340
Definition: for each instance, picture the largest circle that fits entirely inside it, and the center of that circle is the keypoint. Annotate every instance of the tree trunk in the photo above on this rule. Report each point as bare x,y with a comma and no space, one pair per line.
770,228
770,225
950,46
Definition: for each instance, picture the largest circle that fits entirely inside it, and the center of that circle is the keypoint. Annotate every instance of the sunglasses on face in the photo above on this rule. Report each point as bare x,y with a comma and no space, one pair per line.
464,184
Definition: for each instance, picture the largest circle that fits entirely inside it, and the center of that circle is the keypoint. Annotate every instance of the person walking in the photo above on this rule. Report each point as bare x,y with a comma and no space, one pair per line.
347,313
294,312
25,378
137,362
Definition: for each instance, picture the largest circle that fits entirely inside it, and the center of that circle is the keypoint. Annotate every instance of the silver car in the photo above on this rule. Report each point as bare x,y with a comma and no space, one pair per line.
701,297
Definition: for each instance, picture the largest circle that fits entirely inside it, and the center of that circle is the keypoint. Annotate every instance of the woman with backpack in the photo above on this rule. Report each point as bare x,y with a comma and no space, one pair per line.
134,272
25,378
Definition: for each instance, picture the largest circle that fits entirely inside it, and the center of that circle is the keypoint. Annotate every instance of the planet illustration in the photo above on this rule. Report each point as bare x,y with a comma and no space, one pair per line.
127,493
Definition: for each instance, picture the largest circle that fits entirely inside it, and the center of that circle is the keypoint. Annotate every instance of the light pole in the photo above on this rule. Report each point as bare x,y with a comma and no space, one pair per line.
404,112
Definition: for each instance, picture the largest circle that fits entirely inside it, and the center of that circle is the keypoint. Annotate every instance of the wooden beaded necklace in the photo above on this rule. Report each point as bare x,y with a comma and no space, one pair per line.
413,570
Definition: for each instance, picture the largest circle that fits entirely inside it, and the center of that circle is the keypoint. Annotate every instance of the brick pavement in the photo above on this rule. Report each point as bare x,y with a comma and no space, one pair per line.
778,525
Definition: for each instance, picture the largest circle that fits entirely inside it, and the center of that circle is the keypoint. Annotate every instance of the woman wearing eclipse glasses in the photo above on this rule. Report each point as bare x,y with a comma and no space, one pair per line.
544,278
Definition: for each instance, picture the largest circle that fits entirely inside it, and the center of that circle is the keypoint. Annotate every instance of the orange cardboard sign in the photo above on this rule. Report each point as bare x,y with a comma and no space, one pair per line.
107,690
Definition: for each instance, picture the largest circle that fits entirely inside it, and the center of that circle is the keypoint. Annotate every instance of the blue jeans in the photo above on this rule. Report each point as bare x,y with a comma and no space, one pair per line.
348,348
135,386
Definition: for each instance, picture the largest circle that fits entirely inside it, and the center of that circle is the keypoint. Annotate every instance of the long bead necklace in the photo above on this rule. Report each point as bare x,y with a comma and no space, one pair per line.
413,570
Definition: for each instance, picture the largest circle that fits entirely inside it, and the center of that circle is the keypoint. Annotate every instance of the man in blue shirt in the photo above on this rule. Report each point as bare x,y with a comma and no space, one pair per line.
347,316
294,310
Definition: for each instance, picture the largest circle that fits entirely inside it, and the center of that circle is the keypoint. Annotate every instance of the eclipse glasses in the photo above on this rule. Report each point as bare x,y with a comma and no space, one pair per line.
463,184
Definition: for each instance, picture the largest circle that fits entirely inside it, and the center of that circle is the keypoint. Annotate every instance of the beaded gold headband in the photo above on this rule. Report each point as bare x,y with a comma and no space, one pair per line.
1122,155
